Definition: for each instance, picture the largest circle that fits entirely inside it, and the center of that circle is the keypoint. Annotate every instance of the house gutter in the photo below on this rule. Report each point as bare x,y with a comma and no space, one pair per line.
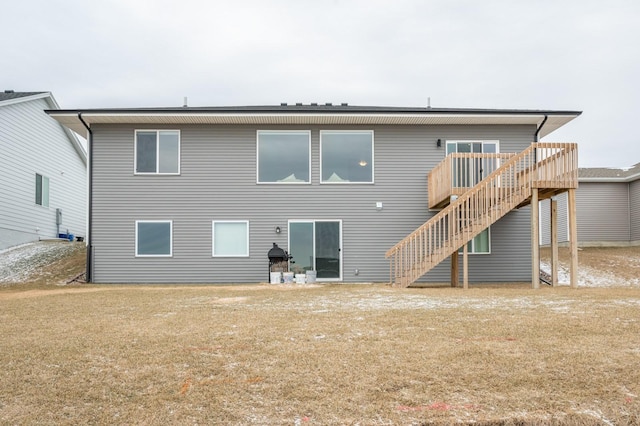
89,272
536,137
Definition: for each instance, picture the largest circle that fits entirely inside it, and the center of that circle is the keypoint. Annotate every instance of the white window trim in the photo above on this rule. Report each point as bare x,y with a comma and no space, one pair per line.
213,238
170,222
42,189
473,252
135,152
290,221
482,141
373,156
258,132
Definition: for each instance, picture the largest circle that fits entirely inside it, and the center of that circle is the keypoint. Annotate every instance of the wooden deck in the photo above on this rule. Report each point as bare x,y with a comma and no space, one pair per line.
540,171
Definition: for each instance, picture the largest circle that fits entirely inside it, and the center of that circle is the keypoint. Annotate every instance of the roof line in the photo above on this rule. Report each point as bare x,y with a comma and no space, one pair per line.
306,109
37,95
621,179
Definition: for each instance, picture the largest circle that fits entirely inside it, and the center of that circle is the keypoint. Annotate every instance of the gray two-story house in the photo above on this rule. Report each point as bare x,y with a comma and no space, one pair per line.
200,194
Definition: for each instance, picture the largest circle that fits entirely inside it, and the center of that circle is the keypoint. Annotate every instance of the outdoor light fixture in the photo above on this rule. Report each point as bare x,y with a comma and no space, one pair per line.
278,230
362,163
439,143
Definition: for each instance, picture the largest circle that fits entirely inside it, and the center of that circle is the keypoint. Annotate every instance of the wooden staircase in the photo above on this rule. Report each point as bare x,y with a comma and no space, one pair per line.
548,168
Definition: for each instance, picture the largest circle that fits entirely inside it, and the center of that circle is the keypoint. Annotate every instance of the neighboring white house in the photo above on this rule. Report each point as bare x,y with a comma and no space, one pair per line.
608,208
43,172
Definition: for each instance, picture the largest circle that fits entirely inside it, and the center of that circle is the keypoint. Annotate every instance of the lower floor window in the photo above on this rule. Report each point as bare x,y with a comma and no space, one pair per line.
154,238
480,244
230,238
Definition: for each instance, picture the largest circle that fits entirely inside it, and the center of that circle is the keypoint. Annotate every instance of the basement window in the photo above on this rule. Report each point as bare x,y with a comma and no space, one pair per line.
481,243
157,152
230,238
154,238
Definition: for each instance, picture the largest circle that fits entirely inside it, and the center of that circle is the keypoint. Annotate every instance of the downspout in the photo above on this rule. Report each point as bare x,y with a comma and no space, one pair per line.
89,273
629,210
536,137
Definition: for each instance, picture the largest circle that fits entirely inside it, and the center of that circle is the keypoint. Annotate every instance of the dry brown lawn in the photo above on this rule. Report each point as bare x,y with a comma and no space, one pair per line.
338,354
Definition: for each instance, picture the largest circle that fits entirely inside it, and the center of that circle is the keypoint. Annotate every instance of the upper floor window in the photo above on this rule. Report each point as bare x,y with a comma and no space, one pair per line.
42,190
284,156
346,156
157,152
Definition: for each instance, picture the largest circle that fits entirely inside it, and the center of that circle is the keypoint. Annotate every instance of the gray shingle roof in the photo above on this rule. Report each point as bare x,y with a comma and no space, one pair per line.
609,173
325,108
10,94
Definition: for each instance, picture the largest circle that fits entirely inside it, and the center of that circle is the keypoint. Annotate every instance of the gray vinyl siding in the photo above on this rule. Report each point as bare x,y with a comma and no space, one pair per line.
634,210
218,182
602,212
32,142
562,220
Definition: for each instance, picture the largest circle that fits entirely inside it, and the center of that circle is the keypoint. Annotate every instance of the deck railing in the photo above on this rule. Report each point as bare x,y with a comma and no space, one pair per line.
542,165
459,172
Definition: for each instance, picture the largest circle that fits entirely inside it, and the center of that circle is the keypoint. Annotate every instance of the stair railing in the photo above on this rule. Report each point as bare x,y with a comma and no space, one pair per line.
472,212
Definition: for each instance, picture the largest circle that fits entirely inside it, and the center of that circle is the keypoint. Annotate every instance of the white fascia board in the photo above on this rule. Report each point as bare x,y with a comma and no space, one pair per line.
28,98
623,179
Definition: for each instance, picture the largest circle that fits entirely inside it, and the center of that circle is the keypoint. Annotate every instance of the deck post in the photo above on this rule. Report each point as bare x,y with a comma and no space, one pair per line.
454,269
554,242
465,267
573,238
535,239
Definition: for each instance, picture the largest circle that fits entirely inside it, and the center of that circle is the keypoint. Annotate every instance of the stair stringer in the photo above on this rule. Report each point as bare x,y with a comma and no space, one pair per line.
502,191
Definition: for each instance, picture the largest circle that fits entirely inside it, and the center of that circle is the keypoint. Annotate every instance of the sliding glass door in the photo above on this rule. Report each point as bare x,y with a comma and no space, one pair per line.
316,245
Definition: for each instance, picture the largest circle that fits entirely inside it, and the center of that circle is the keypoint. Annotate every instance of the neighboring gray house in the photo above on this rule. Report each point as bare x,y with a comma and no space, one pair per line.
200,194
608,208
43,172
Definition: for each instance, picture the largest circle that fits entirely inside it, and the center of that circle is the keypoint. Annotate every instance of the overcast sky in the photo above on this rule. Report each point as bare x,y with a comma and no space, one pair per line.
544,54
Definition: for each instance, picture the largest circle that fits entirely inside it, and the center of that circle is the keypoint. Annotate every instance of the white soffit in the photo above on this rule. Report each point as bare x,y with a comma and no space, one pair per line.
72,120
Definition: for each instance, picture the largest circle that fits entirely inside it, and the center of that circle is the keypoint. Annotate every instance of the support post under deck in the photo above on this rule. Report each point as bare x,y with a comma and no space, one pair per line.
535,239
465,267
554,242
454,269
573,238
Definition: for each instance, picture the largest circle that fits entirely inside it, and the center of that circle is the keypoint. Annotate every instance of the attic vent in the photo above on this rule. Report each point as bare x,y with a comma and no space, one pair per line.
9,91
298,103
344,104
283,104
314,104
328,104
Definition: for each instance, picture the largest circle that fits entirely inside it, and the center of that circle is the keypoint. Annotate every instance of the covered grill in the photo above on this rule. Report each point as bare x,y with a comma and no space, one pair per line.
278,259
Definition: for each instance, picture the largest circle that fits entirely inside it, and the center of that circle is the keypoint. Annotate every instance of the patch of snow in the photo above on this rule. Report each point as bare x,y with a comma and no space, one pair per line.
376,301
19,262
598,415
589,277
